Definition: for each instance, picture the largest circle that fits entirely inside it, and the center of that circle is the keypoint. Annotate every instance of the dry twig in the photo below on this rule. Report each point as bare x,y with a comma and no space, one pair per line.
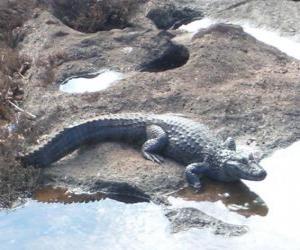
21,110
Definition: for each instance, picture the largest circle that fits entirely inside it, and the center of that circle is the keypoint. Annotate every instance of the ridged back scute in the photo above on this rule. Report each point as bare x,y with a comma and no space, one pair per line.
104,128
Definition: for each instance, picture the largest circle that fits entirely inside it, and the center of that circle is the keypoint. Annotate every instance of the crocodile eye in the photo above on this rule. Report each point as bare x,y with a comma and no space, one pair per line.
251,157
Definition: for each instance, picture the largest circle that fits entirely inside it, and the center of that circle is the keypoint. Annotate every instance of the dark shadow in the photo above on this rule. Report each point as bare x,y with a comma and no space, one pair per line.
175,56
172,17
90,16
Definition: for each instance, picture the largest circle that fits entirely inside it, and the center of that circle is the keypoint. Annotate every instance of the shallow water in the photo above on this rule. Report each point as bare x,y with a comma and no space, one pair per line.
109,224
96,82
271,37
236,197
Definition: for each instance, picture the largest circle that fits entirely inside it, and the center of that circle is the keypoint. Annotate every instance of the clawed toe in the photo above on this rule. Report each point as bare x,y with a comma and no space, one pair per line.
158,159
153,157
197,187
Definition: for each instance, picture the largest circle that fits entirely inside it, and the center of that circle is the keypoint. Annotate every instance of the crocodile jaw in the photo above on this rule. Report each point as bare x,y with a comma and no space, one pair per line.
248,171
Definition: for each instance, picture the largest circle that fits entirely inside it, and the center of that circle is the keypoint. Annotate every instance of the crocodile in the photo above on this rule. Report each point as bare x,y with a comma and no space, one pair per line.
161,135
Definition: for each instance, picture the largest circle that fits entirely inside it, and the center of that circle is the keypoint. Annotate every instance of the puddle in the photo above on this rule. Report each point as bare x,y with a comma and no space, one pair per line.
127,50
279,228
62,195
195,26
91,83
236,197
271,37
109,224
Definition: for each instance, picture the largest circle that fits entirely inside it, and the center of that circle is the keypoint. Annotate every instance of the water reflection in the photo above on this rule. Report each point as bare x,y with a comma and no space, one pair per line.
235,196
62,195
105,224
108,224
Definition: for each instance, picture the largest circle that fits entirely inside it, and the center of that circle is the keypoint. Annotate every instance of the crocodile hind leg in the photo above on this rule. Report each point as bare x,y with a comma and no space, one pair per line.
193,173
157,140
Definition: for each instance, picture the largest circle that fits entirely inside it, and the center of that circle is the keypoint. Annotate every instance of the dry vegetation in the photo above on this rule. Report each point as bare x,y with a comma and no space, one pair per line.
15,181
12,15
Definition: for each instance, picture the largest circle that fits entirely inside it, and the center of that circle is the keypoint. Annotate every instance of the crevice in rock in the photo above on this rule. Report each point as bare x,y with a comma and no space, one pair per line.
175,56
236,5
172,17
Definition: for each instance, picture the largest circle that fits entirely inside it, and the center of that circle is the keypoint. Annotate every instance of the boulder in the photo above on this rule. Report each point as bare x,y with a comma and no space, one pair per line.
231,82
183,219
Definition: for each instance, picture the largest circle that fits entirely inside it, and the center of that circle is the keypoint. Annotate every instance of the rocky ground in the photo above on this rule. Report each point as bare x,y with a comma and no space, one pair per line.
221,77
185,218
282,16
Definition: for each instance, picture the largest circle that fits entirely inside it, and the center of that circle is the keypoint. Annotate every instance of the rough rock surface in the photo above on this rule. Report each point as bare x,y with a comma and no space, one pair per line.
170,16
231,82
185,218
95,168
282,16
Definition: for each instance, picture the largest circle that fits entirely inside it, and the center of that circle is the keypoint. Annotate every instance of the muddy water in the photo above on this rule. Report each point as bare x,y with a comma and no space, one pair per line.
96,82
269,208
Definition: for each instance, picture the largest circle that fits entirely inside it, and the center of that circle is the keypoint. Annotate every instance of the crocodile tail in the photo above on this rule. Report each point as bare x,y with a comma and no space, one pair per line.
70,139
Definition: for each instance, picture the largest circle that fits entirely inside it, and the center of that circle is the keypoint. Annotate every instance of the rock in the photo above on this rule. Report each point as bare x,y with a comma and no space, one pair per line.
183,219
115,168
226,29
169,16
282,16
80,55
92,16
225,83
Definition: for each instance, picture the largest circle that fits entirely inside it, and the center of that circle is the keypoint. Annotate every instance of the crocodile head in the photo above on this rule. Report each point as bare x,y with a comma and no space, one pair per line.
244,167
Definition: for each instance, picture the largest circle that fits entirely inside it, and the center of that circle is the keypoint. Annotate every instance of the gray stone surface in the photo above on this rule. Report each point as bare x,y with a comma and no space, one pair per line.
183,219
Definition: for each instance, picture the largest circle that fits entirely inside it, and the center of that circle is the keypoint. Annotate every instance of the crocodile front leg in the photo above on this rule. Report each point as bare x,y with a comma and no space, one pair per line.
157,140
194,171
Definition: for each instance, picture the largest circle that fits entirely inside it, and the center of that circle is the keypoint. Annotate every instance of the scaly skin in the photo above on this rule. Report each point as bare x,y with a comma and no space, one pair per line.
173,136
